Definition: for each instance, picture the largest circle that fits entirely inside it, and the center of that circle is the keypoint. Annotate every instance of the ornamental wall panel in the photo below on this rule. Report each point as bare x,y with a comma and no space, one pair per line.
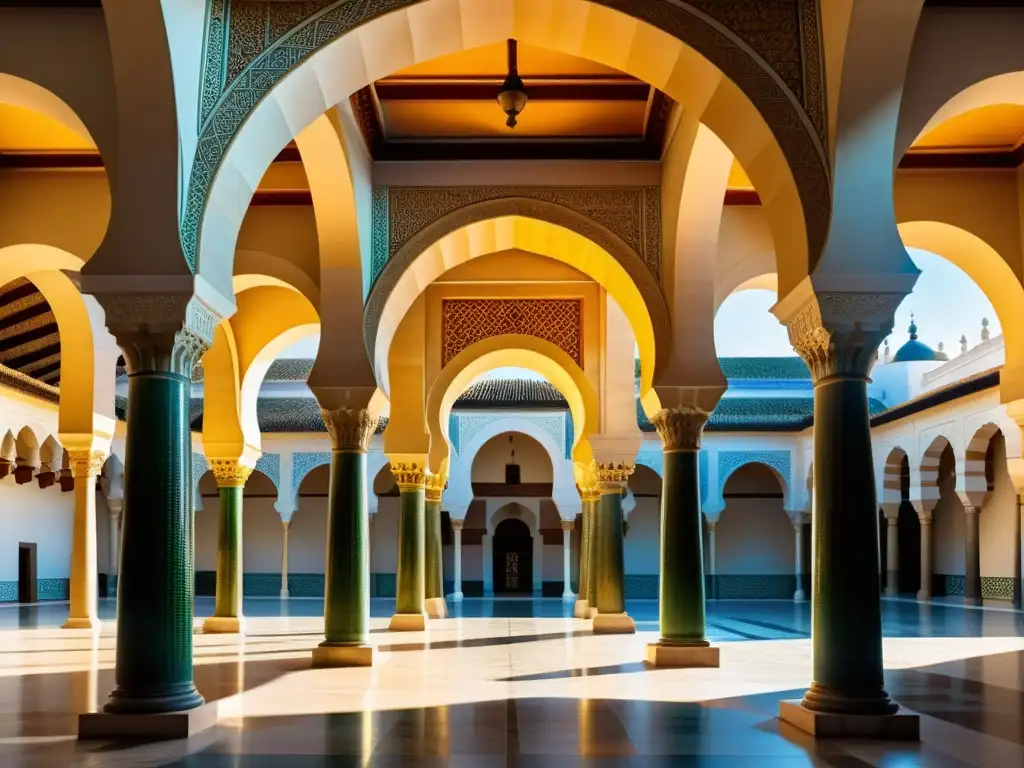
467,321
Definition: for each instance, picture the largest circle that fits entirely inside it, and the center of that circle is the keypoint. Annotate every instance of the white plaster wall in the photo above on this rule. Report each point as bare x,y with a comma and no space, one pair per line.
385,535
948,523
307,539
534,462
472,563
41,516
754,536
642,541
207,522
998,522
261,537
551,567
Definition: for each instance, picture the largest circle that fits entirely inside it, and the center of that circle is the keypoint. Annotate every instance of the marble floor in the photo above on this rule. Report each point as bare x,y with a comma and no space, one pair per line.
520,683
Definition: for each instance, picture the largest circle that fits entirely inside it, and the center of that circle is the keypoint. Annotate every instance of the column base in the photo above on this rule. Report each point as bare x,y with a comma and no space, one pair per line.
223,625
285,594
436,607
662,654
456,597
799,596
82,623
924,596
890,592
901,726
408,622
568,597
973,601
614,624
581,610
166,725
328,655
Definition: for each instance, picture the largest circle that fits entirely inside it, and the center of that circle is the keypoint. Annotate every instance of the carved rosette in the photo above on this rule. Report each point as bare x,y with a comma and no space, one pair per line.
410,476
613,476
230,473
86,463
435,486
837,334
680,428
350,429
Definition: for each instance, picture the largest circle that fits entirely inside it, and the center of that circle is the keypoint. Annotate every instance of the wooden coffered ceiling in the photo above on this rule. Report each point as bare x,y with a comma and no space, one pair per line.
29,341
446,109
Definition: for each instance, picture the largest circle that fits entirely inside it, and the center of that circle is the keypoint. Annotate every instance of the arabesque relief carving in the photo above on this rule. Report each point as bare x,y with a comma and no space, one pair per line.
467,321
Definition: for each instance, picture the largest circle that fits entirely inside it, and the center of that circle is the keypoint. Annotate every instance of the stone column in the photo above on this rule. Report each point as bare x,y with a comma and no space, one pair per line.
114,505
681,596
411,588
798,519
285,527
972,557
837,335
924,592
347,577
82,613
611,615
457,545
581,609
227,612
434,552
892,554
712,572
567,526
156,588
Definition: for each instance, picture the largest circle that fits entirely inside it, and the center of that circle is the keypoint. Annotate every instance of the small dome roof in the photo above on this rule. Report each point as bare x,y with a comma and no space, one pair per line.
915,351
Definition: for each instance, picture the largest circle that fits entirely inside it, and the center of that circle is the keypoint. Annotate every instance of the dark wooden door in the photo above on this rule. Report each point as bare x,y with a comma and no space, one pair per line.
27,573
513,558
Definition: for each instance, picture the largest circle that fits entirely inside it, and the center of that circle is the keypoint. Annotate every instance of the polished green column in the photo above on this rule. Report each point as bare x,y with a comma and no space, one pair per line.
347,575
611,615
411,578
153,669
846,624
434,602
227,609
590,497
581,610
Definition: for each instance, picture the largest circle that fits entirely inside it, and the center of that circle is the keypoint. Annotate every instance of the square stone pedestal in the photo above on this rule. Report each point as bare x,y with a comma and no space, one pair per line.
408,622
902,726
614,624
681,656
343,656
436,607
581,610
167,725
223,625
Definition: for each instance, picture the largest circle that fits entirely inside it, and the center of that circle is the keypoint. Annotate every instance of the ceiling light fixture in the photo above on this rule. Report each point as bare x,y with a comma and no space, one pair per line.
512,96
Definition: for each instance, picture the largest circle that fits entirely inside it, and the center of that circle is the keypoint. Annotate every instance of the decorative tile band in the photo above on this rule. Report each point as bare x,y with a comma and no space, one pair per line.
992,587
46,589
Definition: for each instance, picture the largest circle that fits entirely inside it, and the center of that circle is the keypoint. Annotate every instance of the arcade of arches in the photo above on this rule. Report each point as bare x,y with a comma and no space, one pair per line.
287,311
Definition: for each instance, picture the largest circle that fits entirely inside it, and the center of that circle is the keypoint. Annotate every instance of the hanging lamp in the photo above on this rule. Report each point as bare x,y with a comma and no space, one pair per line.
512,96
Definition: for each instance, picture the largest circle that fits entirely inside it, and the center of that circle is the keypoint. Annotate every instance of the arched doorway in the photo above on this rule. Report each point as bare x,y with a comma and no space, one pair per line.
513,558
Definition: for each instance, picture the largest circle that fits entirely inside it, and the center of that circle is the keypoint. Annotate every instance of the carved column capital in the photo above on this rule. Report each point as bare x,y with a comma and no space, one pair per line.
86,463
680,428
435,485
457,524
838,333
230,473
568,525
613,476
166,332
410,476
350,429
590,493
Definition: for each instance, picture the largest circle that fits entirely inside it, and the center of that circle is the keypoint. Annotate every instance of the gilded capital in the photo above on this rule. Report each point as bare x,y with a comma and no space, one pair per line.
350,429
410,476
613,474
230,473
435,485
589,493
837,334
86,463
680,428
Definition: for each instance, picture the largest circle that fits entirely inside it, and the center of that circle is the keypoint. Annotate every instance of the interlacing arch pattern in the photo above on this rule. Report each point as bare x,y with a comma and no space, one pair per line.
467,321
250,48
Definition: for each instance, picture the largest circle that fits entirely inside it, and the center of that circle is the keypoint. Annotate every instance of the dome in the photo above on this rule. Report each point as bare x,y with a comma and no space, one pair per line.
915,351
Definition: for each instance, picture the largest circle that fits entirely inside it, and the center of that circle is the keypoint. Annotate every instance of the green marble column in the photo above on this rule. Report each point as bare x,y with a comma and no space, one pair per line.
436,606
153,669
411,588
347,577
846,613
611,615
227,610
681,594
